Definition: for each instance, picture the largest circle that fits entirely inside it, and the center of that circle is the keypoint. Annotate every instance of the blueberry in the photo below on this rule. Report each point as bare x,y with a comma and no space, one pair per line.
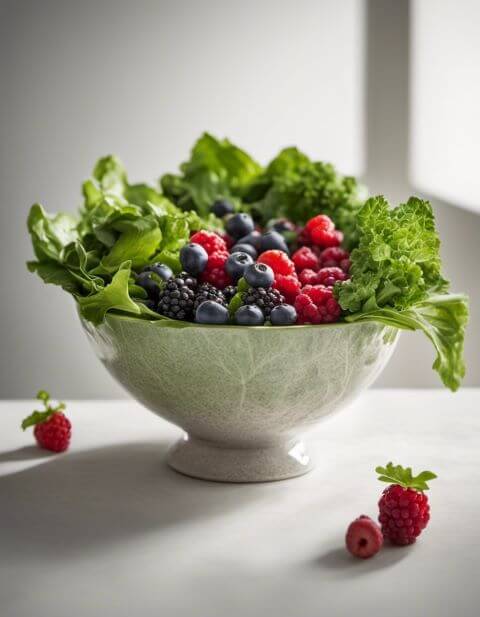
280,225
193,258
161,270
249,315
221,208
253,238
259,275
283,315
272,240
239,225
245,248
211,312
145,281
236,264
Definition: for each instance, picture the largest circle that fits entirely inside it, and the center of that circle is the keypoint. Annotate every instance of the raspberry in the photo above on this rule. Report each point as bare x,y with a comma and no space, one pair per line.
334,257
307,277
329,276
324,237
278,261
288,286
214,272
316,304
305,258
53,429
364,538
229,241
210,241
320,230
322,221
403,507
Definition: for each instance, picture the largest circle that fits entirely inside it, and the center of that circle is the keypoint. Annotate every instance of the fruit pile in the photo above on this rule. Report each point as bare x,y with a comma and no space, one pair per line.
283,274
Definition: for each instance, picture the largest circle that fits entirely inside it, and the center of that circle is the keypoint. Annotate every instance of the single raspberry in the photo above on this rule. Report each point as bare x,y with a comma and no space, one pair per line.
305,258
288,285
324,237
214,272
210,241
278,261
329,276
333,257
404,509
322,221
316,304
307,277
364,538
53,429
217,259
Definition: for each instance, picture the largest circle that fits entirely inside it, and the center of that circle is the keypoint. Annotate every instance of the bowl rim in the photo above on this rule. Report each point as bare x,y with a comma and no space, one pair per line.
171,323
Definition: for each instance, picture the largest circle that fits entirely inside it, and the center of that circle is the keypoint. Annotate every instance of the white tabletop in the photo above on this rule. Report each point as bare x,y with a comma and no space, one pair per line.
108,530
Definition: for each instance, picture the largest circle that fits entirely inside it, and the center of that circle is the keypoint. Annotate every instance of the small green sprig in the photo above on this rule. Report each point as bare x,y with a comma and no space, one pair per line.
42,416
396,474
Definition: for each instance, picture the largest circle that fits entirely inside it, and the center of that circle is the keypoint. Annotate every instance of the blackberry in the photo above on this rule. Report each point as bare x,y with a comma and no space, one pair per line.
206,291
177,297
265,299
229,292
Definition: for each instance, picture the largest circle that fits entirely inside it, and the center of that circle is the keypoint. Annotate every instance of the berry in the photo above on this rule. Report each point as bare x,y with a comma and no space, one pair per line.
329,276
245,248
316,304
177,297
229,292
252,238
322,221
210,241
264,299
249,315
324,238
239,225
288,285
161,270
52,429
320,230
205,292
237,264
215,272
221,208
193,258
278,261
148,283
273,241
259,275
404,510
283,315
364,538
334,257
211,312
226,238
307,277
280,225
305,258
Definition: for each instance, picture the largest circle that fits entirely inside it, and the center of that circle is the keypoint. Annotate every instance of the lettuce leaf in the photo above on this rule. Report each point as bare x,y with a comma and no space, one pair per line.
442,318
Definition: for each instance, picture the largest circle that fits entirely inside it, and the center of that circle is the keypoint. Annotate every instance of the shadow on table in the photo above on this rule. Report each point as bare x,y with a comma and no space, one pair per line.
25,453
342,563
101,496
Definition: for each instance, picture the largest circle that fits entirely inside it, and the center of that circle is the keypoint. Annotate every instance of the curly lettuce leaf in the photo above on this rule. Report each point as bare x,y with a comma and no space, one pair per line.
442,318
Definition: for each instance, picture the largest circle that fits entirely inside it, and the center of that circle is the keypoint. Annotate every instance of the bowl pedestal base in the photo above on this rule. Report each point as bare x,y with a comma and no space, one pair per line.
222,463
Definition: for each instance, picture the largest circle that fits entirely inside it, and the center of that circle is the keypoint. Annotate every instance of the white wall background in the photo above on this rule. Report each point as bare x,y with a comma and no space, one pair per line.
143,80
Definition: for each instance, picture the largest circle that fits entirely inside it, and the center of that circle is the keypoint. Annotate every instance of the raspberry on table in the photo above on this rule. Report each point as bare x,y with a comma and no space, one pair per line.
52,428
329,276
278,261
210,241
404,510
288,285
304,258
315,304
364,538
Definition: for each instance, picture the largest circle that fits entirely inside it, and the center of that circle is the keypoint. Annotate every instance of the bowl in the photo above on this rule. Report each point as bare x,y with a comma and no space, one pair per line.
243,395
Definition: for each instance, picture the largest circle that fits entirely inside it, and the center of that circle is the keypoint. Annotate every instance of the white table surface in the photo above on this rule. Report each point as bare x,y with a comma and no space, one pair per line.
107,529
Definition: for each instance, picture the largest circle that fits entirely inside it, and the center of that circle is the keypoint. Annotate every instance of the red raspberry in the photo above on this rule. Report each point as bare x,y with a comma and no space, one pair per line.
288,285
404,509
278,261
229,241
334,256
214,272
324,237
305,258
210,241
364,538
316,304
54,434
329,276
321,220
307,277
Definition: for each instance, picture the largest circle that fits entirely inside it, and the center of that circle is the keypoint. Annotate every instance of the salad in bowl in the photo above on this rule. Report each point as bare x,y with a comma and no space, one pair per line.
242,302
